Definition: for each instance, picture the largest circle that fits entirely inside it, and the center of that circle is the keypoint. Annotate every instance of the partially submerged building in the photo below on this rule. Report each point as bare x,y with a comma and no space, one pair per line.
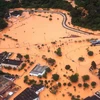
38,70
96,96
30,93
11,63
5,84
4,55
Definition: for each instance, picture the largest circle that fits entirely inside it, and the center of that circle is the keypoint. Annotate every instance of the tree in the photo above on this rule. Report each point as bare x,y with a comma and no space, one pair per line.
59,84
93,84
90,53
69,84
51,61
79,85
25,78
48,70
86,85
3,24
85,78
58,52
55,77
93,64
26,56
67,67
81,59
74,78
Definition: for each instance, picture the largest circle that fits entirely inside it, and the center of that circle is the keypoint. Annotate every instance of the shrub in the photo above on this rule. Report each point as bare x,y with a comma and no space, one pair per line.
50,18
67,67
59,84
93,84
55,77
74,78
64,84
79,85
90,53
81,59
69,84
51,61
85,78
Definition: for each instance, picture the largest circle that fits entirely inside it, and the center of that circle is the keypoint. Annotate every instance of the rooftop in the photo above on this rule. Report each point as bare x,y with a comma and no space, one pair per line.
38,69
36,87
92,98
27,94
4,84
4,55
12,62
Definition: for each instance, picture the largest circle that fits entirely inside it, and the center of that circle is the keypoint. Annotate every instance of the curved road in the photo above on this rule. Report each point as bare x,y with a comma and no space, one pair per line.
64,22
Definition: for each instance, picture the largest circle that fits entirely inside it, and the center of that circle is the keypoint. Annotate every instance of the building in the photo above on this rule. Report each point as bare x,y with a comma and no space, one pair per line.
96,96
37,88
5,84
30,93
11,63
27,94
4,55
38,70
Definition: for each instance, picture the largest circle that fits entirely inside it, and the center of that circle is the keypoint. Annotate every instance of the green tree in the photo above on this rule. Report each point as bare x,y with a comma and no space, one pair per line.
58,52
85,78
74,77
55,77
93,84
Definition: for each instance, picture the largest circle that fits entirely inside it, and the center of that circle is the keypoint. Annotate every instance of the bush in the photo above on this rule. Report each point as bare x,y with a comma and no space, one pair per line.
85,78
3,24
81,59
79,85
69,84
74,78
93,84
50,18
51,61
67,67
90,53
64,84
55,77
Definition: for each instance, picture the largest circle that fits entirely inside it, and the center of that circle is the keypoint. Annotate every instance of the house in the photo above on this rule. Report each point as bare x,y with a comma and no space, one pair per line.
38,70
11,63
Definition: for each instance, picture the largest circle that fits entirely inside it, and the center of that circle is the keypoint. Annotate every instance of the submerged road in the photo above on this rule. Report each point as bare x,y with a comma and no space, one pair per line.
64,22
